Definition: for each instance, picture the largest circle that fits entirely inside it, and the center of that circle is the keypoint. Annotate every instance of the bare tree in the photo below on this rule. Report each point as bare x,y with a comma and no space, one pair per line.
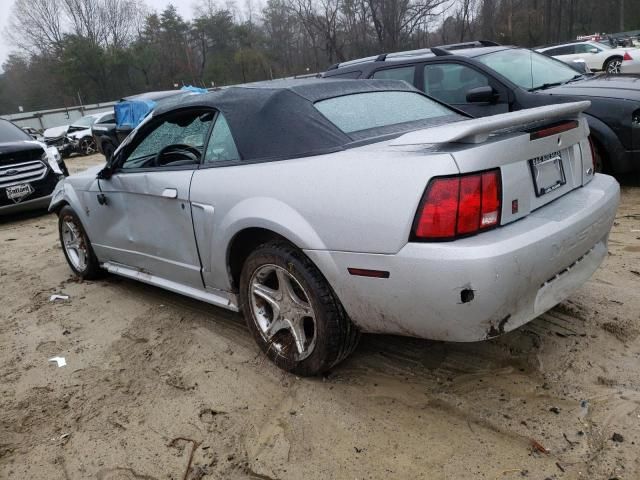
37,25
122,20
396,20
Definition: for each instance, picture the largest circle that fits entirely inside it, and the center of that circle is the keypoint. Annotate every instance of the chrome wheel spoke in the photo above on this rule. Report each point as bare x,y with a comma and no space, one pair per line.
299,335
275,326
297,304
270,295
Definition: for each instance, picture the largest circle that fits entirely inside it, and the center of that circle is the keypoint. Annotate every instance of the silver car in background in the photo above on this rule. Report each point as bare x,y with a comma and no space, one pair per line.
322,209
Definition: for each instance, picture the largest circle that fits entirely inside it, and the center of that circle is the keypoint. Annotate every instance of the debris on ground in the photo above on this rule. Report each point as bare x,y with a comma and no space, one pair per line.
60,361
537,446
55,297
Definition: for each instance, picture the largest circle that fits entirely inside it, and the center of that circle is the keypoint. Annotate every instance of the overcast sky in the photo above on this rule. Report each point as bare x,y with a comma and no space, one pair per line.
183,6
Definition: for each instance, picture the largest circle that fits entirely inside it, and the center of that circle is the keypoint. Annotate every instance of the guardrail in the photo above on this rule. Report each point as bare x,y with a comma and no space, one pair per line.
43,119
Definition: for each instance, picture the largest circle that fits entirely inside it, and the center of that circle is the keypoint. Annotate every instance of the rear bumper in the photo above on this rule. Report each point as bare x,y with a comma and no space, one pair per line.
515,273
630,67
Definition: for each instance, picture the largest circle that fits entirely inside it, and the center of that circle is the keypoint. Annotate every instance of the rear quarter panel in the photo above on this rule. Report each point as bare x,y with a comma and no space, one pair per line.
359,200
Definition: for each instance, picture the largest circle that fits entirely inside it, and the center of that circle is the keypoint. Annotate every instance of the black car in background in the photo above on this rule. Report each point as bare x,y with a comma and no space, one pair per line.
108,136
484,78
29,170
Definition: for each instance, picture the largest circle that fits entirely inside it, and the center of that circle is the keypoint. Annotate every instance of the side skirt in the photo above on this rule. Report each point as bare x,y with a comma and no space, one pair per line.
217,297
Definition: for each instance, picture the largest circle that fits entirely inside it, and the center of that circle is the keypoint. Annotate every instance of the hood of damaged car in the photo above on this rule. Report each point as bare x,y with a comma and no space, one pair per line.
624,87
55,132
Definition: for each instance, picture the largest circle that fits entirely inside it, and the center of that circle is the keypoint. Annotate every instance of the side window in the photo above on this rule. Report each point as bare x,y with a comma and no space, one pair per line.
400,73
586,48
450,82
221,147
184,128
111,118
566,50
552,52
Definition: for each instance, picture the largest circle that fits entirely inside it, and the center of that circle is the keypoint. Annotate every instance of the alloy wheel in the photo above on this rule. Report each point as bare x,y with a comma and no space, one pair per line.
87,146
282,311
614,66
74,244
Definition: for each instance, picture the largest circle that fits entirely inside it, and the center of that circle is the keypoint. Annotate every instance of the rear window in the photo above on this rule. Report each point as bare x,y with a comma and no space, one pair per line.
364,111
10,133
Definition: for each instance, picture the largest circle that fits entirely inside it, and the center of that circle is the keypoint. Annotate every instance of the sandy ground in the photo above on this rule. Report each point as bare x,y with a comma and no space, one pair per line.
154,380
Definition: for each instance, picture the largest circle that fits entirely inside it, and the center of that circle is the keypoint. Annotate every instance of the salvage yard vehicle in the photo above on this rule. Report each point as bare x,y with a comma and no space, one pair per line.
631,62
326,208
597,55
29,170
484,78
128,113
77,137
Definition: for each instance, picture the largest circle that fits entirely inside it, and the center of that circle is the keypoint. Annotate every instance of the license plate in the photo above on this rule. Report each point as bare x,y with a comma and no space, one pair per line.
548,173
18,192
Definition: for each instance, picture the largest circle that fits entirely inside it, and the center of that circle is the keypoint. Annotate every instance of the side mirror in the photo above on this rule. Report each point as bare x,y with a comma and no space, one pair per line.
105,173
482,95
594,50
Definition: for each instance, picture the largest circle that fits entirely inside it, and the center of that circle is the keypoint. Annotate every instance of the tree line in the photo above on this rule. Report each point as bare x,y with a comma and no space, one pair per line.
71,51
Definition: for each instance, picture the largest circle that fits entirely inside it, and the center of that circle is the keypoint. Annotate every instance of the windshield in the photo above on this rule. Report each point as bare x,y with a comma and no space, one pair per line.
364,111
85,121
10,133
528,69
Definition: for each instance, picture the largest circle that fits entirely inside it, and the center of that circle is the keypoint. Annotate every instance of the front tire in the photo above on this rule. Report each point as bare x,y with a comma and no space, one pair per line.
76,245
292,312
87,146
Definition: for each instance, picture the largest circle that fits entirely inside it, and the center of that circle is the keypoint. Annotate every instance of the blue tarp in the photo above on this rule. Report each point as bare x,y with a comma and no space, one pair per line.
130,113
190,88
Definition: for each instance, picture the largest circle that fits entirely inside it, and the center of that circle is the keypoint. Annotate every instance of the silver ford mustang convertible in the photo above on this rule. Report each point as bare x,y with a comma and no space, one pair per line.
322,209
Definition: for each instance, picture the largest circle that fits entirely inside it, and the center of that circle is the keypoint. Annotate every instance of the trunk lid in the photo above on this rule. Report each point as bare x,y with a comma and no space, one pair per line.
543,153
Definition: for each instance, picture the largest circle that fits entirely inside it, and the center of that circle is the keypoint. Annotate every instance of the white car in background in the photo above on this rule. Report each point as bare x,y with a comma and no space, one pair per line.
79,133
631,61
597,56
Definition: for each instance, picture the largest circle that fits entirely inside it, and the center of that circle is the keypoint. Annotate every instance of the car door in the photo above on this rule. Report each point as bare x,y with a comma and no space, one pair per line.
210,199
144,214
452,82
592,55
566,53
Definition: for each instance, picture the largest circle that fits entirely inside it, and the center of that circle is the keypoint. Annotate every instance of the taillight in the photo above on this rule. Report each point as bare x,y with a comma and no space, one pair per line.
458,206
627,56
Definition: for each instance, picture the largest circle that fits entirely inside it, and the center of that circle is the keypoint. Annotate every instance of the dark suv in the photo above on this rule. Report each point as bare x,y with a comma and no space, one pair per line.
29,170
484,78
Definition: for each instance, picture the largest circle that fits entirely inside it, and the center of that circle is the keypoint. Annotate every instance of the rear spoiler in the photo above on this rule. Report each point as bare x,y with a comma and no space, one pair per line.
478,130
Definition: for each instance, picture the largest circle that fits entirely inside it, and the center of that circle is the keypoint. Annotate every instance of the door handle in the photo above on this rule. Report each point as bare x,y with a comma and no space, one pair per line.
170,193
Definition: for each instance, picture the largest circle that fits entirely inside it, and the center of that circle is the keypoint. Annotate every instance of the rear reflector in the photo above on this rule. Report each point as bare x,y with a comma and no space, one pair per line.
627,56
363,272
458,206
553,130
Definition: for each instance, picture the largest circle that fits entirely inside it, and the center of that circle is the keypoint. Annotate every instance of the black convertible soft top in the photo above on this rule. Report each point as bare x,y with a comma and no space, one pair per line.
277,119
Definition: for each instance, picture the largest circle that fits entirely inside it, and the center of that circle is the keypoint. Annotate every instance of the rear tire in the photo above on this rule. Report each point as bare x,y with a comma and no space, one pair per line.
613,65
306,332
76,245
600,161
